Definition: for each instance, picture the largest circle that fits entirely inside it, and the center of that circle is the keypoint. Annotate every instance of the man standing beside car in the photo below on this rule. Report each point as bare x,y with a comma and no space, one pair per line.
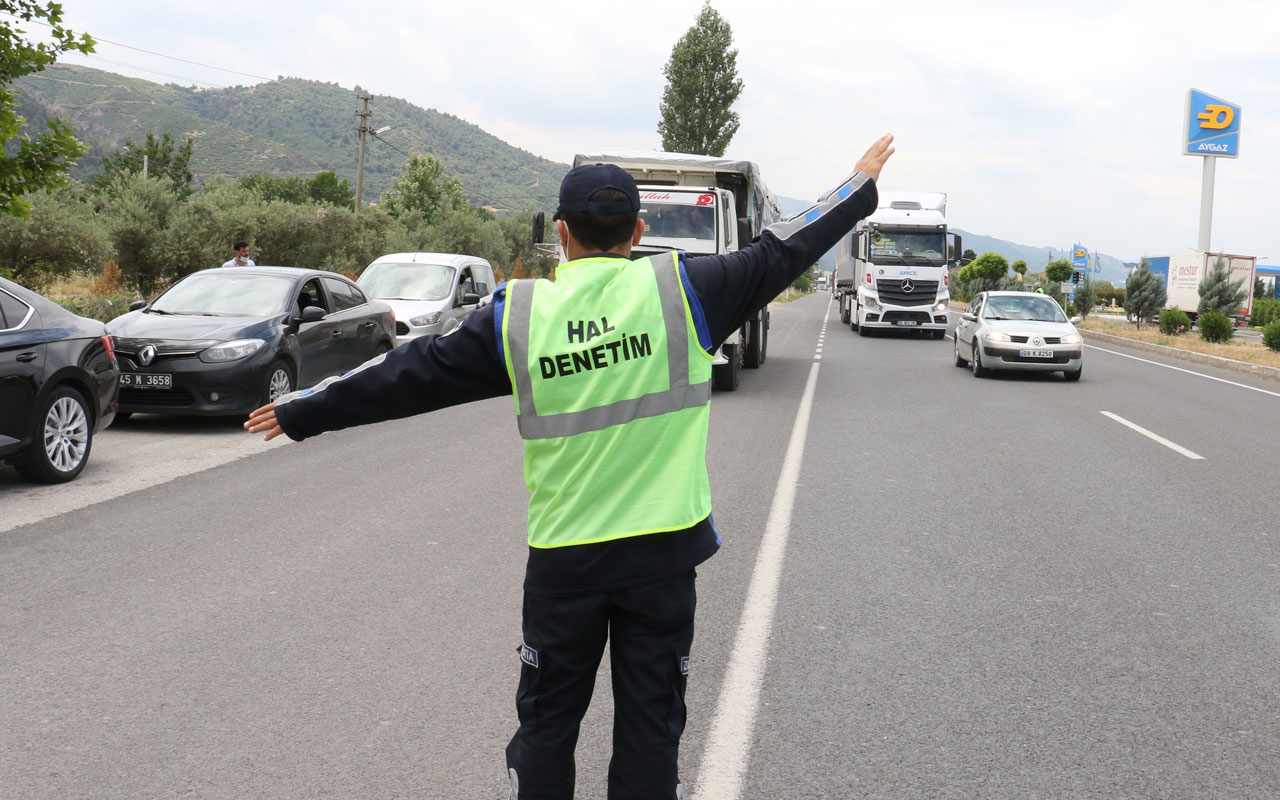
241,258
615,429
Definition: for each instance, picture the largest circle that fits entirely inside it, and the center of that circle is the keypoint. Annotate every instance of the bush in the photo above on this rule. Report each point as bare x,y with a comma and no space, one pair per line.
1174,321
1271,335
1215,327
1265,311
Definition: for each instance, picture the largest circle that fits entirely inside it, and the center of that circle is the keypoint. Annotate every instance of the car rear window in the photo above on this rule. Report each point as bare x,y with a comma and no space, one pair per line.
13,312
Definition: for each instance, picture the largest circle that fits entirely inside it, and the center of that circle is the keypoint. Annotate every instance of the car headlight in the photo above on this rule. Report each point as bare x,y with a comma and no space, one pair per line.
870,304
1071,338
231,351
996,336
941,305
425,319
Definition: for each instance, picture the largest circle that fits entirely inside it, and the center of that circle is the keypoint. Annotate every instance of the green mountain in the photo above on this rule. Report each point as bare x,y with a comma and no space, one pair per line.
288,126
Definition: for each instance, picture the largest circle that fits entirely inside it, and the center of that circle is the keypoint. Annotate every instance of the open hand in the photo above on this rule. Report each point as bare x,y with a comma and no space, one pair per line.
873,160
264,419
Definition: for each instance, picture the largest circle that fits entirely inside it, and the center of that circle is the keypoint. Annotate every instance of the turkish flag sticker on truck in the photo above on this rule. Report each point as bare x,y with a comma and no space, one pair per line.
706,199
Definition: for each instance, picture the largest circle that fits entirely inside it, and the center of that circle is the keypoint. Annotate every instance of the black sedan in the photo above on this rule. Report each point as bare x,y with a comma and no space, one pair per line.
58,385
227,340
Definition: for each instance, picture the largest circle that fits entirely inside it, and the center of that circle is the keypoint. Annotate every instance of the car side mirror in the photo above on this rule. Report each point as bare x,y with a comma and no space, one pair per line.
969,316
312,314
539,227
1076,320
470,299
137,304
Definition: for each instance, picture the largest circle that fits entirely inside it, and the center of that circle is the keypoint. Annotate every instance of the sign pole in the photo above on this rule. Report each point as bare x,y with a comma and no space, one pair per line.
1206,203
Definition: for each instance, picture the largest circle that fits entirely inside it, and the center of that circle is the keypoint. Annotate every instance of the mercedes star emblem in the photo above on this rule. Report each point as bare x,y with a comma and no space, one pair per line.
908,286
147,354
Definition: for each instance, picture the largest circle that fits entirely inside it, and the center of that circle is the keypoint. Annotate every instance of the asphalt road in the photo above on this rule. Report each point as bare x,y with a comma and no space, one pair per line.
989,589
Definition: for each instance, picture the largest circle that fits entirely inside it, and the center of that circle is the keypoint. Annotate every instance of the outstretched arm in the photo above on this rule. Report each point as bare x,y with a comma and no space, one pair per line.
732,287
424,374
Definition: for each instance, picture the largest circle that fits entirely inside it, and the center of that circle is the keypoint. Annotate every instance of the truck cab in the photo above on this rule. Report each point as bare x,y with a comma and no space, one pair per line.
697,220
891,270
702,205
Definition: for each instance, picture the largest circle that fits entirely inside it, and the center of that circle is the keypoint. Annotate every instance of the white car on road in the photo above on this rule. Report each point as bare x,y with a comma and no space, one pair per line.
1018,331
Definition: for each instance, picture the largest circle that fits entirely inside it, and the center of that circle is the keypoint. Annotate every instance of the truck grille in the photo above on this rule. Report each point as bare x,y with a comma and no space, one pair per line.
922,293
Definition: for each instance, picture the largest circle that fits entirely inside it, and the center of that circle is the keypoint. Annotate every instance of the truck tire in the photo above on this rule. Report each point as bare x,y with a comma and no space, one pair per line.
844,312
725,377
756,339
853,317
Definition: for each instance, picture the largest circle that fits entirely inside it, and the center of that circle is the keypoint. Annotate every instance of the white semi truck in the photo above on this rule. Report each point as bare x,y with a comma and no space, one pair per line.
891,270
702,205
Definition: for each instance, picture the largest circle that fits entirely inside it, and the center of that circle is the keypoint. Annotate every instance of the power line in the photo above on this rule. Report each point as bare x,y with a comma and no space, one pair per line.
162,55
377,138
145,69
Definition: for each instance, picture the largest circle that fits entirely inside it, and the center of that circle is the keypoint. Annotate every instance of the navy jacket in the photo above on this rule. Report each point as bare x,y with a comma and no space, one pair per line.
433,372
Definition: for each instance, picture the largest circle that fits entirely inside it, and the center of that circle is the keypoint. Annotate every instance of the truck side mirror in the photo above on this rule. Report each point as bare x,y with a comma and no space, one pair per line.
744,231
959,249
539,227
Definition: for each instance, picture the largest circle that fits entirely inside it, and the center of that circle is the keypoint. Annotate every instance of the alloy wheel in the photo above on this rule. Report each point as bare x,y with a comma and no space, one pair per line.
66,434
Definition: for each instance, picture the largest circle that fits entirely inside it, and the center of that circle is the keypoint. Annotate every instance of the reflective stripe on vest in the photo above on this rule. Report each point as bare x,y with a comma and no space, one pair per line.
681,395
618,447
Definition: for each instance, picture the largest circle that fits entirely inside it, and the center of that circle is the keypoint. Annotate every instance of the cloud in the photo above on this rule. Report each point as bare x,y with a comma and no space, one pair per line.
1043,122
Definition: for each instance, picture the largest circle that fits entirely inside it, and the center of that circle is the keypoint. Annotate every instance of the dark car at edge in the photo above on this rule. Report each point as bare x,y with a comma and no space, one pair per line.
227,340
58,385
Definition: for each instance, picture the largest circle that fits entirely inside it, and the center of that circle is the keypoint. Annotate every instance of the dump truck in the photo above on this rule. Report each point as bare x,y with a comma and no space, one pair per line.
702,205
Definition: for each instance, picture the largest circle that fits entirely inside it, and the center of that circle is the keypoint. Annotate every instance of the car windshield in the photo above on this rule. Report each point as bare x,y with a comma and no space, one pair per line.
683,219
226,293
1032,308
896,247
388,281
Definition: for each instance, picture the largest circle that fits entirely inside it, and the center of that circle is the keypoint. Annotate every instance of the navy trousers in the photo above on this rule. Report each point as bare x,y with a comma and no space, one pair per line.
649,630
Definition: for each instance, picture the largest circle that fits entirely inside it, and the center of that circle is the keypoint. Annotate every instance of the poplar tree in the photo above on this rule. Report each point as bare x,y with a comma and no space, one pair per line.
702,86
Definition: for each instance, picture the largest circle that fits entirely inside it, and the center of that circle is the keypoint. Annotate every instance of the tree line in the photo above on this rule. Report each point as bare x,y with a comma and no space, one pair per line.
144,214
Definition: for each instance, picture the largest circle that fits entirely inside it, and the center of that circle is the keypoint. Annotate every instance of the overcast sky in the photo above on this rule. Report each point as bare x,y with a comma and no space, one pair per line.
1046,123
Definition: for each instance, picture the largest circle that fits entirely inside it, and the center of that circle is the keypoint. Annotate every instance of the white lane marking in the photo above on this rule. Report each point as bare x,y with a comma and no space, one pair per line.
1188,371
724,762
1153,436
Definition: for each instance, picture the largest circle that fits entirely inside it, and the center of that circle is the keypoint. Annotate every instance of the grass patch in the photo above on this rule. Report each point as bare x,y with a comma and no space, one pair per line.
1239,350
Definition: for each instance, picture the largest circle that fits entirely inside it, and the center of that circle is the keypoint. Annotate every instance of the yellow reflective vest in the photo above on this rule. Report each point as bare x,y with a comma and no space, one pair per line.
613,396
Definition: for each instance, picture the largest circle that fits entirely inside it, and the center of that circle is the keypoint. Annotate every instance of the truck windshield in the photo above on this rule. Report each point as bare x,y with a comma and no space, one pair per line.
921,249
688,217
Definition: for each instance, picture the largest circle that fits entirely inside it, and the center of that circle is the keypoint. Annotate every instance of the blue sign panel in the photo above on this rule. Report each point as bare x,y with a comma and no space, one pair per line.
1212,126
1079,258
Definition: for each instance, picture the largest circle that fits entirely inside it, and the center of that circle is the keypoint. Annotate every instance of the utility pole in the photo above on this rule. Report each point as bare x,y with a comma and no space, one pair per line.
362,129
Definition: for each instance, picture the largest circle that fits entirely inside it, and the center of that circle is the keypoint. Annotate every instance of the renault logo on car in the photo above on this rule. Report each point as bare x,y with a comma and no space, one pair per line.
908,286
147,354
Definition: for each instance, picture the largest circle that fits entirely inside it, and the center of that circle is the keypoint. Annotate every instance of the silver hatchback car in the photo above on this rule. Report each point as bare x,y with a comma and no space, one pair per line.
428,292
1018,331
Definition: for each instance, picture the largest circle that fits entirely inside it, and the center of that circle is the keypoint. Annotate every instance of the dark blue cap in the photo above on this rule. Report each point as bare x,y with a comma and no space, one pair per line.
582,182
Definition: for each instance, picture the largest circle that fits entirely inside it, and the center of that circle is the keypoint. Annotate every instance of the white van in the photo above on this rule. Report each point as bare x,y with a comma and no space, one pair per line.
429,292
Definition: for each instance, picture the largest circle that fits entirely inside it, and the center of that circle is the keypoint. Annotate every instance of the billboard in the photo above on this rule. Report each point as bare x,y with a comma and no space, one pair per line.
1212,126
